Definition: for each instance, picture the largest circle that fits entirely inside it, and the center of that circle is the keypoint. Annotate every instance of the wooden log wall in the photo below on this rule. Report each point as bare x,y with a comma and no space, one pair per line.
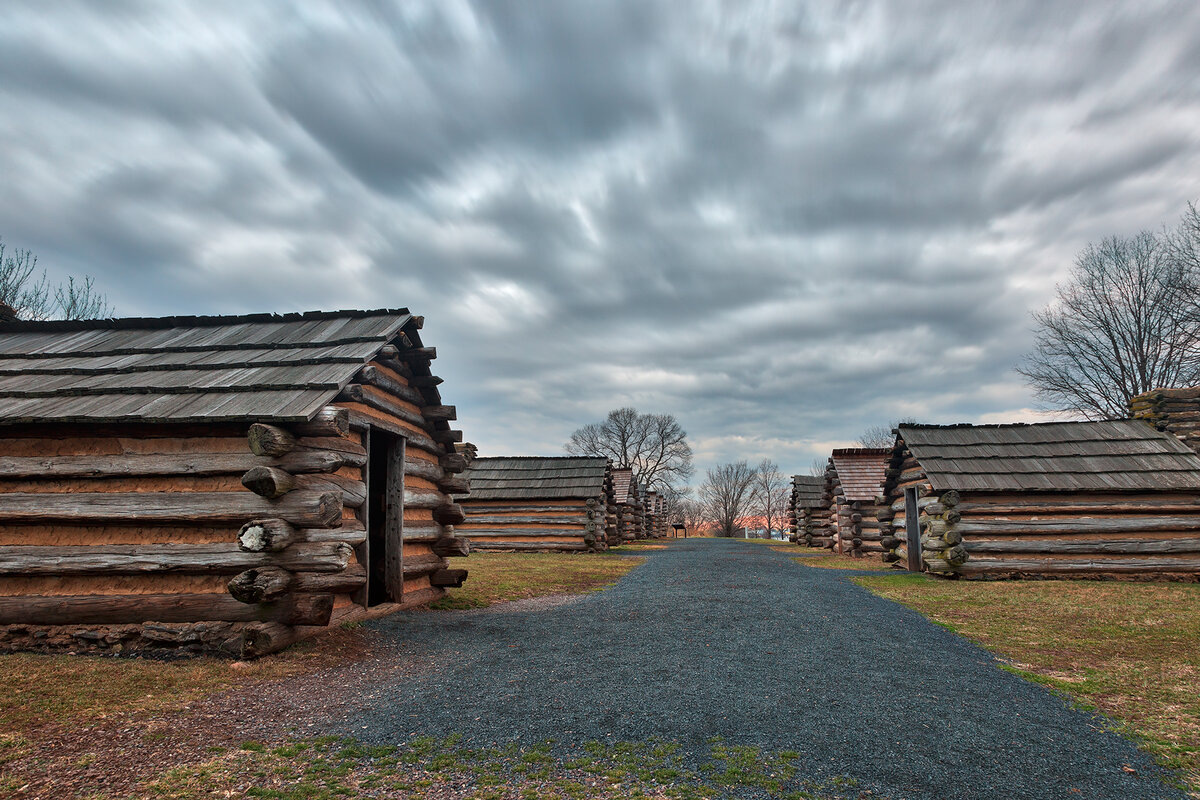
817,527
560,525
124,526
857,530
994,535
1176,411
215,537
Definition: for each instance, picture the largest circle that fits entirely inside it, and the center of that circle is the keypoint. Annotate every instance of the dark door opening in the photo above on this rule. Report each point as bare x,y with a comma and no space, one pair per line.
385,519
912,530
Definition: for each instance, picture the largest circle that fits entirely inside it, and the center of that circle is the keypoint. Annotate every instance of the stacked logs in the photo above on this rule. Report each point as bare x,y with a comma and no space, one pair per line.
142,511
941,538
938,518
810,512
1175,411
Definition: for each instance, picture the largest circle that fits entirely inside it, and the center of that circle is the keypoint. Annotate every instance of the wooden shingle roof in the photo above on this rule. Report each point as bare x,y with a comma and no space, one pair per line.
861,471
624,485
1118,455
808,491
187,369
538,477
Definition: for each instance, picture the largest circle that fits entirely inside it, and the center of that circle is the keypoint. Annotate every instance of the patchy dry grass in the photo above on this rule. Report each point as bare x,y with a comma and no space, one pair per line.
497,577
827,559
1130,650
44,689
426,768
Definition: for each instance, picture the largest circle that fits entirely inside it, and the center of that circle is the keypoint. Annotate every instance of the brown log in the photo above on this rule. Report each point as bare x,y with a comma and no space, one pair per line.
1080,525
423,531
425,470
269,482
474,518
448,437
263,639
425,354
260,584
455,485
355,393
265,535
425,381
450,546
373,376
453,462
156,464
352,490
448,577
1164,564
352,533
950,498
422,565
1081,546
440,413
544,547
139,608
301,508
329,421
192,559
268,440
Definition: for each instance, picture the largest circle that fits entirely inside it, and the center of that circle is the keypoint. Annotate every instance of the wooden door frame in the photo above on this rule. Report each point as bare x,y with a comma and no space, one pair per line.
912,529
393,523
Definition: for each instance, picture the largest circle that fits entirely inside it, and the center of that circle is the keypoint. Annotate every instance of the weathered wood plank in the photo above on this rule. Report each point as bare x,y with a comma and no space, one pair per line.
139,608
1080,524
164,464
1051,565
223,558
393,521
1080,546
300,508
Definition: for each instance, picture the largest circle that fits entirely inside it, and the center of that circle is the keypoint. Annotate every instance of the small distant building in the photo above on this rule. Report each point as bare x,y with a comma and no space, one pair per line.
630,513
539,503
855,477
810,513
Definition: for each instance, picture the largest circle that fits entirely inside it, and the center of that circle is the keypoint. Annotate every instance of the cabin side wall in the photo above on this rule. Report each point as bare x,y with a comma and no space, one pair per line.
126,537
992,535
539,525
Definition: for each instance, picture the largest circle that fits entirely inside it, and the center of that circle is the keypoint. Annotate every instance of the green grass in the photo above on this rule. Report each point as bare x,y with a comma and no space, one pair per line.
827,559
497,577
328,767
1129,650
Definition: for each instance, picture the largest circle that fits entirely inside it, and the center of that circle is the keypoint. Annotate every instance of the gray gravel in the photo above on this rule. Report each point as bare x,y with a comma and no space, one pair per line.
732,639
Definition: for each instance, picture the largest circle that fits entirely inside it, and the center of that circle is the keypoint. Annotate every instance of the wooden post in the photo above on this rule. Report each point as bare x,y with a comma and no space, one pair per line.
393,523
912,529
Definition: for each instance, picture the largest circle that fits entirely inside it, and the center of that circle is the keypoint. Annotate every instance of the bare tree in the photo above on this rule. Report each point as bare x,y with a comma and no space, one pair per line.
654,445
1183,248
32,298
1122,325
727,494
818,466
879,436
771,495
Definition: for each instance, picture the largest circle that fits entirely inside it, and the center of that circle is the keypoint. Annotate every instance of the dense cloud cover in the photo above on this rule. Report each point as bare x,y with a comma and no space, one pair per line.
781,224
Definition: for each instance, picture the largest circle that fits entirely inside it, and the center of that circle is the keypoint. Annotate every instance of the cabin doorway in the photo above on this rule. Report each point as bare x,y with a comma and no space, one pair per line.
385,518
912,530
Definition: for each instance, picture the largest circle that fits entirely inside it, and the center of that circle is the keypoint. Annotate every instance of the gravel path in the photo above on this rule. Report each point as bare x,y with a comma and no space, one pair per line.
708,639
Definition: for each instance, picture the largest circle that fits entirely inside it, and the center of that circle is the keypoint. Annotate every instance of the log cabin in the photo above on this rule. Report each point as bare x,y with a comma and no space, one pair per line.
631,515
225,484
810,515
540,504
1114,499
855,483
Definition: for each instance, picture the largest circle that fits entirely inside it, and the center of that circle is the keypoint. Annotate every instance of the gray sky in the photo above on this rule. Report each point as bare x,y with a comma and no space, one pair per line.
781,224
